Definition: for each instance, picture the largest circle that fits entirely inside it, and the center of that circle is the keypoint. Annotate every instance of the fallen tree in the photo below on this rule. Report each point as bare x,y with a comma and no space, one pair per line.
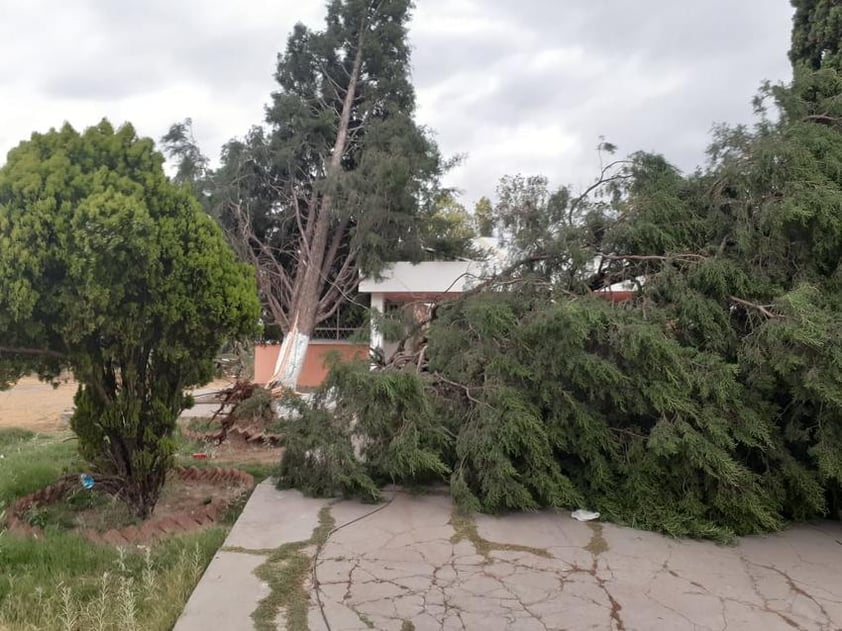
710,404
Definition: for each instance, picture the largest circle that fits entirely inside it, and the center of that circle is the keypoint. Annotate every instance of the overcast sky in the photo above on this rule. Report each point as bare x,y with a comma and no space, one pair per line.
517,85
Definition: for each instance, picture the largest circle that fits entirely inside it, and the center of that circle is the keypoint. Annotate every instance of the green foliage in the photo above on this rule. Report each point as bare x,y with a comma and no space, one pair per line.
180,145
816,34
385,430
110,270
319,457
449,232
61,581
710,403
484,217
257,408
583,402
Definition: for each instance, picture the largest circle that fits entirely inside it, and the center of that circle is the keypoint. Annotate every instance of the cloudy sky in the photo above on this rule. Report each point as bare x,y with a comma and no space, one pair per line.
517,86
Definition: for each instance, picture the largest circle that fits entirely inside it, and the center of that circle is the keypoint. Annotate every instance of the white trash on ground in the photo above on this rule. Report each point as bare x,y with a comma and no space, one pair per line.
584,515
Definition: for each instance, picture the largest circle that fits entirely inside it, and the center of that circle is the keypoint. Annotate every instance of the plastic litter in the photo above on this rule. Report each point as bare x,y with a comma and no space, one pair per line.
584,515
87,481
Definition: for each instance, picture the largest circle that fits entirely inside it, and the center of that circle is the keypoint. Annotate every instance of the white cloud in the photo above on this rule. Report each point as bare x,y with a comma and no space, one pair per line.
519,87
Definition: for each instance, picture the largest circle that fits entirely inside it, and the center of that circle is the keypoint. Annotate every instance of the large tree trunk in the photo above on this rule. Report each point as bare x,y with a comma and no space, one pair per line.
310,277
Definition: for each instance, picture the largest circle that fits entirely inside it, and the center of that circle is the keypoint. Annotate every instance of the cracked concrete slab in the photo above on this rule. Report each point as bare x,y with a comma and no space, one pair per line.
414,564
228,579
229,591
272,517
407,563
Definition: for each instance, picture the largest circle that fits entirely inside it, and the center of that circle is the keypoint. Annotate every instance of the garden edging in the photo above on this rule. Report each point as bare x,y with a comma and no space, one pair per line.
148,531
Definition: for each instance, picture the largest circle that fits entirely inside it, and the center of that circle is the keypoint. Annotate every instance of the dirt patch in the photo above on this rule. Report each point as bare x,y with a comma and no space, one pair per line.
228,453
193,498
40,407
81,509
37,406
235,449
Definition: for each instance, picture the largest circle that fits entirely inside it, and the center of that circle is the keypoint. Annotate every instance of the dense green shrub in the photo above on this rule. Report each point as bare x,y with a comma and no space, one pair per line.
109,269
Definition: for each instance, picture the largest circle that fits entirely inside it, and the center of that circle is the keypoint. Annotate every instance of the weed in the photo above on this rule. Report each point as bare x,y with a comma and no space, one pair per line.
465,529
32,464
82,508
202,424
60,591
286,571
63,582
597,545
9,437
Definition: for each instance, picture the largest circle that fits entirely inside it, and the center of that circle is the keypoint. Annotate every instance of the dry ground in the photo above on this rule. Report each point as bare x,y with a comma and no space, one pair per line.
38,406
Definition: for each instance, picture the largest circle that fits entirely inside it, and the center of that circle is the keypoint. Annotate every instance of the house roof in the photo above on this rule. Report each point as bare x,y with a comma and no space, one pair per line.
427,277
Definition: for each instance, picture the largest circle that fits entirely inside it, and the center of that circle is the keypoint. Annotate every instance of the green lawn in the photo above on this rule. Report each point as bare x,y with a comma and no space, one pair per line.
66,583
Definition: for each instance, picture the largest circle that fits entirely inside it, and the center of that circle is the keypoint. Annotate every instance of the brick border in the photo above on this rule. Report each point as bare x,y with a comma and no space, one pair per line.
150,530
247,434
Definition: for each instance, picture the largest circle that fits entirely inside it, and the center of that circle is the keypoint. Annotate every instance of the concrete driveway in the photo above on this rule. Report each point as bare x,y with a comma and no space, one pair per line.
414,564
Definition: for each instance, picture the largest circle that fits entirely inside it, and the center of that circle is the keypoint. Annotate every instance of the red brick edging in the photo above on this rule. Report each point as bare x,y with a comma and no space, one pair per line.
247,434
151,529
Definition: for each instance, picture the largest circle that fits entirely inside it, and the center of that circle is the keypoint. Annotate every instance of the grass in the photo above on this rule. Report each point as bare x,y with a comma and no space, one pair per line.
285,570
62,582
14,435
32,461
83,508
203,424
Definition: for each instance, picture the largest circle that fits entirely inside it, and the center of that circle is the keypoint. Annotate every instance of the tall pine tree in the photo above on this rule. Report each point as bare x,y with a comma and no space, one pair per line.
341,180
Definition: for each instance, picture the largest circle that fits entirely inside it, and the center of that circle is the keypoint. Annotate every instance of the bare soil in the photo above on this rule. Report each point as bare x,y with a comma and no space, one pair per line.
39,407
232,452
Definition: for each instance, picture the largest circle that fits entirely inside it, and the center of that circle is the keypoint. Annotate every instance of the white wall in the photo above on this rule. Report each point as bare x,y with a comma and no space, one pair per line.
427,277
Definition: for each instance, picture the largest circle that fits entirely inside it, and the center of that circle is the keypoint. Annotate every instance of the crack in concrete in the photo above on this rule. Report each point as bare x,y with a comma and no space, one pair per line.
486,579
766,601
596,546
795,588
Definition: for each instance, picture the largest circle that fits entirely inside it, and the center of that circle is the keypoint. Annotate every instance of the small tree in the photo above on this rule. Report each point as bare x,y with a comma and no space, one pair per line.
112,271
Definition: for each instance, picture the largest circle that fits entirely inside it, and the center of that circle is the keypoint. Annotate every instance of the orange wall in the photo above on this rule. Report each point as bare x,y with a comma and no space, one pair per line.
616,296
313,371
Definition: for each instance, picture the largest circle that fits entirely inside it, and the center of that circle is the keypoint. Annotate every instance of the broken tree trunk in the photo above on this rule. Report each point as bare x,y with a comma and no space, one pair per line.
311,279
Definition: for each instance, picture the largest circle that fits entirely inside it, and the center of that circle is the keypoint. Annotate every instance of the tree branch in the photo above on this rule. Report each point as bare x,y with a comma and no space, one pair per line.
600,181
685,257
762,309
823,118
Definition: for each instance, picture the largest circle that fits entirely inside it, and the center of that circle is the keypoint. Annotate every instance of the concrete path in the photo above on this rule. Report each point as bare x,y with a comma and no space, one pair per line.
413,564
